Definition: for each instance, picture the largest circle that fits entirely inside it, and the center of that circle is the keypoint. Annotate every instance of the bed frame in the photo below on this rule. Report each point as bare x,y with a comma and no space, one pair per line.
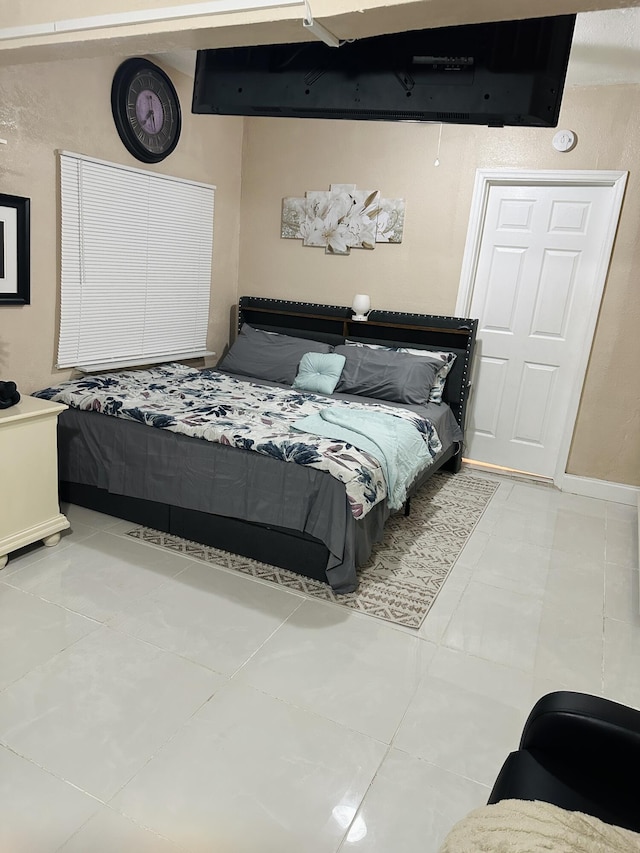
279,546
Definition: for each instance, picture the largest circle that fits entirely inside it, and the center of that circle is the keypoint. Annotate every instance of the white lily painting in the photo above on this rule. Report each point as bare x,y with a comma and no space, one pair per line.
343,219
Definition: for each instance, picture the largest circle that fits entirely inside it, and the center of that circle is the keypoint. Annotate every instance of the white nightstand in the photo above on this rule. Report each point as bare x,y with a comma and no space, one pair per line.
29,508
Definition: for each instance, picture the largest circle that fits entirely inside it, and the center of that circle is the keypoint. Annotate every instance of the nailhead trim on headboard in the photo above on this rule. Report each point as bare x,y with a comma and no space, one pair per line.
378,319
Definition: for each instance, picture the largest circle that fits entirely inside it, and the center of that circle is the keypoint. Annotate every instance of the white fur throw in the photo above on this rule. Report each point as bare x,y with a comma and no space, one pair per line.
520,826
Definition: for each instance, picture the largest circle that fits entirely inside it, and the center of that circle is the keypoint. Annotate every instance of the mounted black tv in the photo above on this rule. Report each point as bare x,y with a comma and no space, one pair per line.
503,73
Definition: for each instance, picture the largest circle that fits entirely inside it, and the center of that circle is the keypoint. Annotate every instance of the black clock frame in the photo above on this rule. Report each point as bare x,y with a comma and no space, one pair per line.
122,80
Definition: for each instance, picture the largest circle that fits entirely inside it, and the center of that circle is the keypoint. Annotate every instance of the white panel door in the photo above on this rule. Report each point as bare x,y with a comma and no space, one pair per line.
538,268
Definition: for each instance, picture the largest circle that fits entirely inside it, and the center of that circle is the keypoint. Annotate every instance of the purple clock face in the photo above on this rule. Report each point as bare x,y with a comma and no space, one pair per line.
149,111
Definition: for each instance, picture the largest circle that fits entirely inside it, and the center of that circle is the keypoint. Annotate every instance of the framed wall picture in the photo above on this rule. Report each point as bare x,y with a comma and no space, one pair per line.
14,250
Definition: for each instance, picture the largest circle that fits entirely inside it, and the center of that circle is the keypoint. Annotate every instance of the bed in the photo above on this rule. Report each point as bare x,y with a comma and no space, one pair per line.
295,516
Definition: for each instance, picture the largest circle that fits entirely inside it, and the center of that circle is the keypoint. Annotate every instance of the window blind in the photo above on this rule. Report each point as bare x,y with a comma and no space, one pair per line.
136,265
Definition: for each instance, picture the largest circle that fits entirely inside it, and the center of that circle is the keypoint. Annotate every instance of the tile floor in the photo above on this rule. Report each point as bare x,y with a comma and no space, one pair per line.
152,703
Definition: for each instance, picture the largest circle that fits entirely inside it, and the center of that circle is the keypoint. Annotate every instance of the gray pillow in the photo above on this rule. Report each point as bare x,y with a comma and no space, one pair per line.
445,360
265,355
386,375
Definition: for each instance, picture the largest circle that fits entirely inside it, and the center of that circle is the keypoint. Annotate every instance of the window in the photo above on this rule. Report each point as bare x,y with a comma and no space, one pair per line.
136,265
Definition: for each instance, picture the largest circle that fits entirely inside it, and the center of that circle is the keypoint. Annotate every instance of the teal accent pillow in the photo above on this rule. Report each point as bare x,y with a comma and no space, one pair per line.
319,372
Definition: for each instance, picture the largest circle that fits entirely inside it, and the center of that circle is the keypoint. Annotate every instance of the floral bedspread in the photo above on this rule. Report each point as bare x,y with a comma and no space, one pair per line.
216,407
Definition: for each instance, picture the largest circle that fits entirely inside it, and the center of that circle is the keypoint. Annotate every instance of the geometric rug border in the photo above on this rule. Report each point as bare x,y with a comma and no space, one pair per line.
405,595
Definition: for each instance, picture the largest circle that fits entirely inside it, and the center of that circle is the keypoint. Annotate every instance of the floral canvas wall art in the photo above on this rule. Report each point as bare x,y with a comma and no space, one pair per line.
343,218
390,221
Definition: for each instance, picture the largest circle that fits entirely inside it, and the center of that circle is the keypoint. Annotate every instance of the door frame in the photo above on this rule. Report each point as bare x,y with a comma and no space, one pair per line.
484,181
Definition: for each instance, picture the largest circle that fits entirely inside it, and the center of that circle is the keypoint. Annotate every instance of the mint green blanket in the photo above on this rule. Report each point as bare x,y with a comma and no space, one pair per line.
400,448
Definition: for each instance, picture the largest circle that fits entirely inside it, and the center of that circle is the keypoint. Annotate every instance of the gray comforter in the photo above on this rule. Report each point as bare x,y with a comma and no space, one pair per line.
128,458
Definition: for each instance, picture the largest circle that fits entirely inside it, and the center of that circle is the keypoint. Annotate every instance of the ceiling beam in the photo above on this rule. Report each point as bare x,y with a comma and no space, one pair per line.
183,26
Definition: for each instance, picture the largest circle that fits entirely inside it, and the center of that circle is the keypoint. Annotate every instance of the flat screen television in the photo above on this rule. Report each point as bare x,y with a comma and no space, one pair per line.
502,73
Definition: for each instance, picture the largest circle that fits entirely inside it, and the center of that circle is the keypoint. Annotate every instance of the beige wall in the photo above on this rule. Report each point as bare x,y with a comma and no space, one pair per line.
287,157
66,105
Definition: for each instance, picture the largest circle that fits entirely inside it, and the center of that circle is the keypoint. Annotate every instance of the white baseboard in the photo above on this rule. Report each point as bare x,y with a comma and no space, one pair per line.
602,489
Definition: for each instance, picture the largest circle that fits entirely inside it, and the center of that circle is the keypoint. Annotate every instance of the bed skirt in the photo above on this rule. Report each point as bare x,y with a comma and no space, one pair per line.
247,503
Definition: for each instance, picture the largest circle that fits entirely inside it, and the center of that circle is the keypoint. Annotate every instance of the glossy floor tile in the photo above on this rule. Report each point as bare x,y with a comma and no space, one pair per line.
108,831
521,525
32,631
445,605
472,551
493,680
496,624
212,617
622,544
83,523
37,551
149,702
621,657
621,593
459,729
513,565
100,576
575,579
579,534
410,807
38,812
88,517
621,512
347,667
542,497
95,713
570,648
253,773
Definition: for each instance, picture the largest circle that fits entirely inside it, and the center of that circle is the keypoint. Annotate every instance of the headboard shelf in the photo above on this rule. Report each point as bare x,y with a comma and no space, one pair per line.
349,325
305,314
346,325
463,330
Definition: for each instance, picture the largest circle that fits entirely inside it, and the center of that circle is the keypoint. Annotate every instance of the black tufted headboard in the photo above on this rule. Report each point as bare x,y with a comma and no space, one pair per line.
333,324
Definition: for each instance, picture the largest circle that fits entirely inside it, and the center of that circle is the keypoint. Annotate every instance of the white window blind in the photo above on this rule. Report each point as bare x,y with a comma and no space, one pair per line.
136,265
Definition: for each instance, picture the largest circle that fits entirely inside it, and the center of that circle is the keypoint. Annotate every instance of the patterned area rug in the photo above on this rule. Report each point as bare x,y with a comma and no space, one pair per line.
406,570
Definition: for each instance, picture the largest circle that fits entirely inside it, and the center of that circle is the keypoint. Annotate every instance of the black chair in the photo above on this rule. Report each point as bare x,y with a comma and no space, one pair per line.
581,753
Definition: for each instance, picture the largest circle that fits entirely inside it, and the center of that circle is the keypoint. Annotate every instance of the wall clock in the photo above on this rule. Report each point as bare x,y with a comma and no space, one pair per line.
146,110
